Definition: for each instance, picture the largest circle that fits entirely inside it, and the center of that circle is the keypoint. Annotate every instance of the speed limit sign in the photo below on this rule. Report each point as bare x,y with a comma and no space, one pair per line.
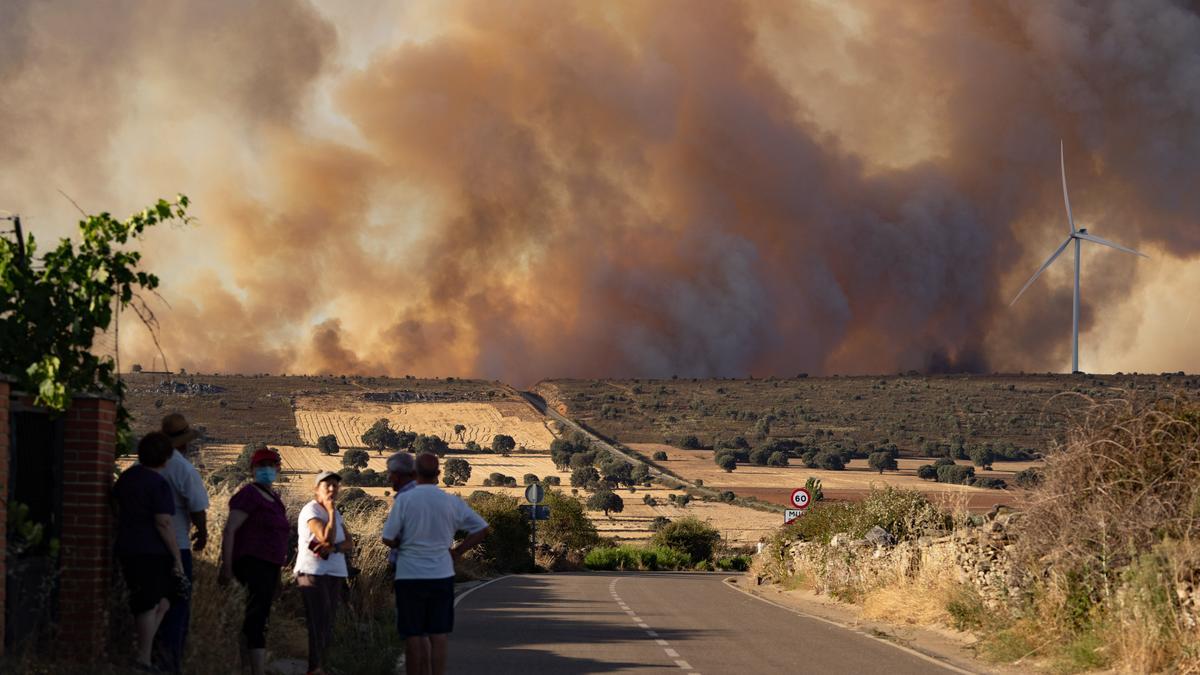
800,498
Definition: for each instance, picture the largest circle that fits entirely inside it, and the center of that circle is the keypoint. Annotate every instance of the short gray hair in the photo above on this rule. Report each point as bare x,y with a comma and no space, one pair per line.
401,462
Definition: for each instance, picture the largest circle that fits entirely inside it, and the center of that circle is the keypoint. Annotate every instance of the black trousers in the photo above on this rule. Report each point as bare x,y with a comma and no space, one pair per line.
261,580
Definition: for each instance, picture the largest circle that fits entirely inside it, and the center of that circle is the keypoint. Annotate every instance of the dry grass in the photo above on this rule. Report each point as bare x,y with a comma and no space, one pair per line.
483,421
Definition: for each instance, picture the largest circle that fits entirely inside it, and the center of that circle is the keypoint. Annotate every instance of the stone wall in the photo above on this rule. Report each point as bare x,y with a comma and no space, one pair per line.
979,556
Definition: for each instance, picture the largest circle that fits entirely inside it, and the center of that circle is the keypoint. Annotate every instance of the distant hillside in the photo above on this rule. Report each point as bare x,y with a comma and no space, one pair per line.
240,408
1028,411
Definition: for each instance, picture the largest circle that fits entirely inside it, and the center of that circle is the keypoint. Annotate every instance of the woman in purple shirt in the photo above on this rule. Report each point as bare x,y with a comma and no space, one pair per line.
254,548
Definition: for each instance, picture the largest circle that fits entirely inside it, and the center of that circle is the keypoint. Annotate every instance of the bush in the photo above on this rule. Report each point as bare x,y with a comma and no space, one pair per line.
957,474
568,525
659,523
989,483
690,442
943,461
830,460
882,461
584,477
689,535
778,458
606,501
1028,478
506,548
813,485
726,462
728,496
552,480
356,459
736,563
328,445
503,444
456,471
649,500
982,456
432,444
659,456
529,479
927,472
634,558
903,513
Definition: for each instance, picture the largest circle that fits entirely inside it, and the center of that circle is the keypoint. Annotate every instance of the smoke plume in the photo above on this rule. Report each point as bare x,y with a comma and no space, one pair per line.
531,189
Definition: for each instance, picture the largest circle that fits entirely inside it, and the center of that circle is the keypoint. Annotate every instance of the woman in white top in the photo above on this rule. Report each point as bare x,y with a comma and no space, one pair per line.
323,544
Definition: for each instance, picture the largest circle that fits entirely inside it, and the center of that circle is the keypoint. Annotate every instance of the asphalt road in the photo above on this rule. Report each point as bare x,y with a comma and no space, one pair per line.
653,623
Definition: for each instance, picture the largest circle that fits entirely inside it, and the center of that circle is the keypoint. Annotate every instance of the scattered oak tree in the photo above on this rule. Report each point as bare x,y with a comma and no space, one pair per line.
328,445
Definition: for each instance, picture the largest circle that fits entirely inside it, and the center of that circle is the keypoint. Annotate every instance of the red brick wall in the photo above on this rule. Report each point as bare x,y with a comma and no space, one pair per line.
4,393
89,450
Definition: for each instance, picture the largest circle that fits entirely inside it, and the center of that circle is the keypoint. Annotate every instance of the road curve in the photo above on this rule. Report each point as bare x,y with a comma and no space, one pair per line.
653,623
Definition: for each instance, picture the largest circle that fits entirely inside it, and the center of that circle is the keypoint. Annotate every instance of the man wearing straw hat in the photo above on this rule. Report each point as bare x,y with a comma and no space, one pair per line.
191,503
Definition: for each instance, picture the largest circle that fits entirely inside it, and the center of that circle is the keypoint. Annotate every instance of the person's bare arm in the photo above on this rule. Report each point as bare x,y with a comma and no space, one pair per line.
166,530
236,520
200,536
471,541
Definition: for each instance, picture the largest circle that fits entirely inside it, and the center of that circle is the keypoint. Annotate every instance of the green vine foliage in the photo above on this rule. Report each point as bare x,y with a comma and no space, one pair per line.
52,307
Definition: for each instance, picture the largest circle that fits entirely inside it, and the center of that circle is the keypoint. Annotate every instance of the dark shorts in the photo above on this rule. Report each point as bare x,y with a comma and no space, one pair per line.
424,606
149,579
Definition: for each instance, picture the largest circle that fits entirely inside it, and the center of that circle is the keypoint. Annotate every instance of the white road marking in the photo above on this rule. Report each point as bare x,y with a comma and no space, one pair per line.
671,653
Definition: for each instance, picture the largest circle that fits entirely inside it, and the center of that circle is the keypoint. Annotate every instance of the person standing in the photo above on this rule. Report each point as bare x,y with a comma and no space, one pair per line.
322,546
421,525
191,505
254,548
402,474
146,546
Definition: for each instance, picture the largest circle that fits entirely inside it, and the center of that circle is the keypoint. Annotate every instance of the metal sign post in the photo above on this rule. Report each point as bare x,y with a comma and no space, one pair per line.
534,494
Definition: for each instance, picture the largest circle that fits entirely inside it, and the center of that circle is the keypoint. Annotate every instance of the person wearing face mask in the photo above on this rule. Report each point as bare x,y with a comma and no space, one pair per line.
254,547
322,546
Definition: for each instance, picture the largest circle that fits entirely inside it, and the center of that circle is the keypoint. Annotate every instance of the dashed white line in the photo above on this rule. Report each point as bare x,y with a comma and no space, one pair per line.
671,653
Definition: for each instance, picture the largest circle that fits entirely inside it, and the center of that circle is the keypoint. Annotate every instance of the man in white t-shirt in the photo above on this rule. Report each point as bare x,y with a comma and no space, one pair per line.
402,474
421,525
191,505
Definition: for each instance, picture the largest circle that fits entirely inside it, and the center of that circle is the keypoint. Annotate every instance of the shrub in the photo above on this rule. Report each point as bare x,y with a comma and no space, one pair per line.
529,479
726,462
830,460
989,483
955,473
568,525
552,480
689,535
903,513
728,496
1028,478
759,455
813,485
433,444
328,445
659,456
690,442
982,456
503,444
778,458
943,461
606,501
736,563
927,472
649,500
635,558
356,459
585,476
456,471
659,523
506,548
882,461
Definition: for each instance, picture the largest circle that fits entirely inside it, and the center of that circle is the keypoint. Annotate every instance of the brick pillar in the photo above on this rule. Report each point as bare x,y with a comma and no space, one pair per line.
4,444
89,451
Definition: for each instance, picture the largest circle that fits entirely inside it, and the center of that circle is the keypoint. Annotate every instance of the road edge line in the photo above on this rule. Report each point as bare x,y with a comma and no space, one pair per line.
458,598
729,583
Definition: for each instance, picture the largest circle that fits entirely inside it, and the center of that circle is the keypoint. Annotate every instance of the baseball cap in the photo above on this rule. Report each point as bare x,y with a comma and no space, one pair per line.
327,475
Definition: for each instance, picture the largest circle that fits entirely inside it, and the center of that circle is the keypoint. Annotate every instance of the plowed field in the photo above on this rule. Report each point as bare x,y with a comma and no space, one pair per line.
483,421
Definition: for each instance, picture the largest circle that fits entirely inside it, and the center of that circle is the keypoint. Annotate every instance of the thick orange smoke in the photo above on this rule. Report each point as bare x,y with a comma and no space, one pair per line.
530,189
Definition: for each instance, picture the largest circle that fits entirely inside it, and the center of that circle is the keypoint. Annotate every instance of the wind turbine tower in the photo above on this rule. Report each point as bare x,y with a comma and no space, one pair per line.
1077,236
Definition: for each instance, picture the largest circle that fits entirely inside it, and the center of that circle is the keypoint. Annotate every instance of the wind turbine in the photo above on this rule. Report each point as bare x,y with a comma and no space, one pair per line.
1077,236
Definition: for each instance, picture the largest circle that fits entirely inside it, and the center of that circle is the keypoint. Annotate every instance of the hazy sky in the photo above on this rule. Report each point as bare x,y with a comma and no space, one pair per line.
521,190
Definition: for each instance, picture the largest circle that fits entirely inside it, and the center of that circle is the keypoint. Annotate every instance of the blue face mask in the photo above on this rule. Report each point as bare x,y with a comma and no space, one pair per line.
264,475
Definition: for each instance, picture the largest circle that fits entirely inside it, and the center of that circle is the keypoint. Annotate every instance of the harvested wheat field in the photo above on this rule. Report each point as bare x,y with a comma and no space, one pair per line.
740,525
775,484
483,421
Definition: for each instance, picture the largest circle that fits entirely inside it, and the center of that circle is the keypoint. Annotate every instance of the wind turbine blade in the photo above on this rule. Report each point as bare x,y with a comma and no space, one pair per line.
1062,162
1105,242
1041,269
